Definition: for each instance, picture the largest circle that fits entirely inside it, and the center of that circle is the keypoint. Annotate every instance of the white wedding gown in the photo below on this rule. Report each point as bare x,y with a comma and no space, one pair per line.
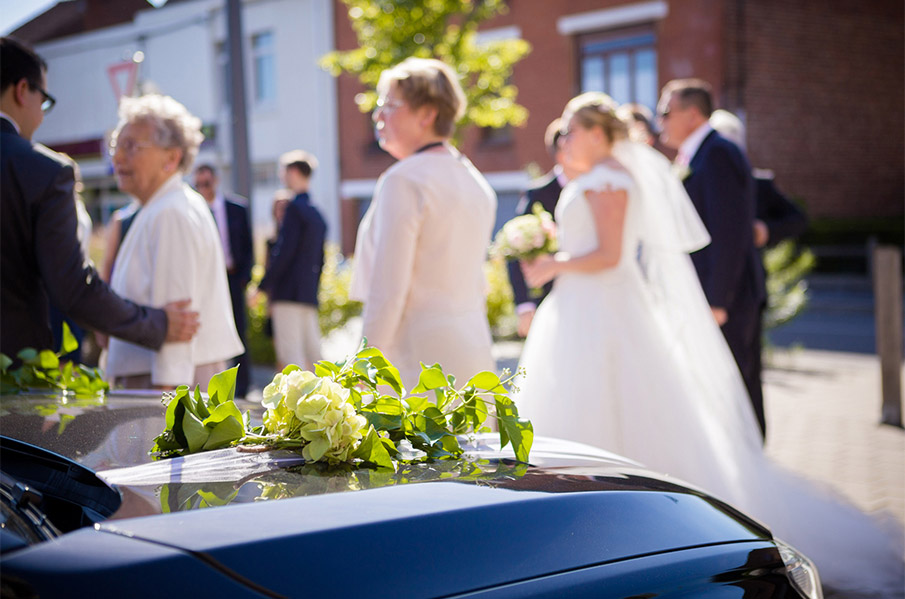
629,359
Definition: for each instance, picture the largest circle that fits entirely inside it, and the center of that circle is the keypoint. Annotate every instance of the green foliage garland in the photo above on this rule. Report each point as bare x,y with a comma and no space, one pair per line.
42,369
350,411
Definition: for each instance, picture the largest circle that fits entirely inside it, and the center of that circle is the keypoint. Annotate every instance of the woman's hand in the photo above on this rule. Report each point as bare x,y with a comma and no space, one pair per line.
540,271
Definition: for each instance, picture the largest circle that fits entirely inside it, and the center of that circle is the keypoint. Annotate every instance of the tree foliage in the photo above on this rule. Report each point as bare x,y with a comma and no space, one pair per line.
390,31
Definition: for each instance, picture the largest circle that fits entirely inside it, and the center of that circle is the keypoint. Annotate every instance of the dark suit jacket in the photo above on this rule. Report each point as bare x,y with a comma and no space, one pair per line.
722,189
40,256
240,243
547,193
782,217
297,257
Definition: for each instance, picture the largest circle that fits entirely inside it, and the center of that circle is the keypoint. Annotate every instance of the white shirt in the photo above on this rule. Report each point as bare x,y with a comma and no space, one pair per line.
172,252
692,143
218,208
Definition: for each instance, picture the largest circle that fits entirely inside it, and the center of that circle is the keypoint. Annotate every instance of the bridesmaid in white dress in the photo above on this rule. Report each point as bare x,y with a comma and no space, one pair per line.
624,354
421,246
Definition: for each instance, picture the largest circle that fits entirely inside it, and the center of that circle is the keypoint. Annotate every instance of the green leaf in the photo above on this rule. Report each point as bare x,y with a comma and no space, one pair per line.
484,380
316,449
196,404
5,362
195,432
388,405
383,422
27,355
389,375
222,386
373,451
431,377
222,412
70,343
291,368
417,403
225,432
325,368
48,360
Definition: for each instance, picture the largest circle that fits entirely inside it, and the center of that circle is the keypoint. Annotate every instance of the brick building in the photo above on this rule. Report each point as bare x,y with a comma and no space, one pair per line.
819,84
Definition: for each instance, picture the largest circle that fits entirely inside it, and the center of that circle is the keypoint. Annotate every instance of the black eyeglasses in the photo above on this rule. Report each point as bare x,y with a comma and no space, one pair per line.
49,100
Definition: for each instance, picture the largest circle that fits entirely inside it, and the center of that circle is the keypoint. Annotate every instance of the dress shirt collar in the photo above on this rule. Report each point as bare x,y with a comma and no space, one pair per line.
690,146
12,121
219,202
560,176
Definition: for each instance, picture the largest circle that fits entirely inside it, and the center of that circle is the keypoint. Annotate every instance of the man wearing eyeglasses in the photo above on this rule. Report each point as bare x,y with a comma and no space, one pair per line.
40,255
718,181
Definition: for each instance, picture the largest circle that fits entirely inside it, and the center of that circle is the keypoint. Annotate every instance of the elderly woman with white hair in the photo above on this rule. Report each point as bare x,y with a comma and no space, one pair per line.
421,247
172,249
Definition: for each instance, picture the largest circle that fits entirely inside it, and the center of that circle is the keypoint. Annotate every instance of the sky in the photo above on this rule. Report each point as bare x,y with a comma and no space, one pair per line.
15,12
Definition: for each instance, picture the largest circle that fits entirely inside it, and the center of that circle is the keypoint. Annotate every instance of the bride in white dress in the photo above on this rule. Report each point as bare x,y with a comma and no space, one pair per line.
624,354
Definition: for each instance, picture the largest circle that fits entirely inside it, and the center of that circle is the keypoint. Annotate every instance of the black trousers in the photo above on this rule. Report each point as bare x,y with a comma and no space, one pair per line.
743,333
237,295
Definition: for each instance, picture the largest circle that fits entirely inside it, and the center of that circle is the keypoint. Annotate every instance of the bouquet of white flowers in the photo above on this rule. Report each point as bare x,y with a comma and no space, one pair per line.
526,237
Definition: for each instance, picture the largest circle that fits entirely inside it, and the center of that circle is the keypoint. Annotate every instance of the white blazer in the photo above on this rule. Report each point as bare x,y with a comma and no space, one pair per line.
171,252
419,265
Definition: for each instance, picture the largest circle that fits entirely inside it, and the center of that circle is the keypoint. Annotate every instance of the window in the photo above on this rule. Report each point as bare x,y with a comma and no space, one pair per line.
622,64
223,74
263,51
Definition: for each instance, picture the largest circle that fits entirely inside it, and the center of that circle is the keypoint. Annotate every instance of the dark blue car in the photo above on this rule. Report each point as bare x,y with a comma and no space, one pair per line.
85,513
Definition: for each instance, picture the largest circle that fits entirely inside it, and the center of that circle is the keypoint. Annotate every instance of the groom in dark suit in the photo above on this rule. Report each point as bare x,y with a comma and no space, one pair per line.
718,179
234,225
546,191
40,254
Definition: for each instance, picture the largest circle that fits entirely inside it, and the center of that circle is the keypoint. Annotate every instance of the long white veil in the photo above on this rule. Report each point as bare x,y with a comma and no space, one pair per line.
669,230
853,551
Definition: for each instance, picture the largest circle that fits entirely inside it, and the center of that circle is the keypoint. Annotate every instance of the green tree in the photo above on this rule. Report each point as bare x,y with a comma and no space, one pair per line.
390,31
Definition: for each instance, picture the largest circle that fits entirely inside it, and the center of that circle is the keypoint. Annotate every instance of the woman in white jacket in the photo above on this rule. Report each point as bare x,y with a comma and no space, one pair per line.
172,250
422,244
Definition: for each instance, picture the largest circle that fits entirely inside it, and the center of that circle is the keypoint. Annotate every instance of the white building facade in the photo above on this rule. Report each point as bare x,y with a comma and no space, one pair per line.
291,101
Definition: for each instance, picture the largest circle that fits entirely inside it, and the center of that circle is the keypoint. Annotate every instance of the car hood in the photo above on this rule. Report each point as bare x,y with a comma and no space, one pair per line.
573,506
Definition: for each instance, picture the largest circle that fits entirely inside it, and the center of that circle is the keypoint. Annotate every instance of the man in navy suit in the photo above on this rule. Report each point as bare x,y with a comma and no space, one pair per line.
718,179
546,191
231,215
40,254
296,262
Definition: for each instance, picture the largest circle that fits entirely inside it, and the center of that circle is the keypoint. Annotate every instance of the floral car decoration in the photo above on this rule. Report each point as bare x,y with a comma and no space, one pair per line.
351,411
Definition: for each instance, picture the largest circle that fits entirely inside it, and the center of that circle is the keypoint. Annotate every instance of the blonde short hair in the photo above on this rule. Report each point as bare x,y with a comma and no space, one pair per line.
174,126
428,81
596,109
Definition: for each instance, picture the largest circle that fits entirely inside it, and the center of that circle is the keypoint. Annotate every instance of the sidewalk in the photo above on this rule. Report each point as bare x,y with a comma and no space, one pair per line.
823,414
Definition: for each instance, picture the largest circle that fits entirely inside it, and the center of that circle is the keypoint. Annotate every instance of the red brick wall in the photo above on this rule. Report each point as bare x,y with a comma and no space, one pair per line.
824,97
819,81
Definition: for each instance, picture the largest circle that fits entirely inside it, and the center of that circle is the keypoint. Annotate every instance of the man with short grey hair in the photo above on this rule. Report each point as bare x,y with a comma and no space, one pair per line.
720,185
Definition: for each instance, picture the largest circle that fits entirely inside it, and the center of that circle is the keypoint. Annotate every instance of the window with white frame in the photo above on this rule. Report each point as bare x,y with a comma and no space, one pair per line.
621,63
265,74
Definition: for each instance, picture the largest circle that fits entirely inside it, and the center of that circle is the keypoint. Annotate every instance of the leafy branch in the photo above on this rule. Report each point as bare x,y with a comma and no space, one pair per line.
354,410
43,369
